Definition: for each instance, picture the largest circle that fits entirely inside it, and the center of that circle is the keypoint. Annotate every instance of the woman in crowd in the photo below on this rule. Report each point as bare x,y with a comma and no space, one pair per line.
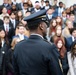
4,13
52,27
68,12
72,59
30,5
9,57
66,30
58,34
19,16
59,20
14,8
71,10
63,55
4,46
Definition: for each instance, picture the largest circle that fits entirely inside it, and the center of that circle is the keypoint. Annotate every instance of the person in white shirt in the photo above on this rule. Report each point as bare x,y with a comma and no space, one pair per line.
72,59
4,13
25,8
60,9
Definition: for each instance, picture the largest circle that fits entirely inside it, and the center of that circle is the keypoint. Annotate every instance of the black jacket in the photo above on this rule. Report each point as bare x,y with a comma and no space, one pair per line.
36,57
3,51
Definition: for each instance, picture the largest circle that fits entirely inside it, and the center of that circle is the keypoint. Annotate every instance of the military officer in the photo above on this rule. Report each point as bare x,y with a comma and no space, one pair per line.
35,56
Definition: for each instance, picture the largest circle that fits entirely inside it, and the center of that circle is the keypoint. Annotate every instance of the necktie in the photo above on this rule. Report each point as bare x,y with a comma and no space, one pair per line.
6,30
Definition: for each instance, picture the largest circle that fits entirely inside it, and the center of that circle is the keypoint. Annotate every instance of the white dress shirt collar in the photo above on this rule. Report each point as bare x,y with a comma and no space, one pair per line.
5,26
21,36
37,35
73,38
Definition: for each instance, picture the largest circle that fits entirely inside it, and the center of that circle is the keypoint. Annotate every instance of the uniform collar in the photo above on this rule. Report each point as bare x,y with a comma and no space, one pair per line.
37,35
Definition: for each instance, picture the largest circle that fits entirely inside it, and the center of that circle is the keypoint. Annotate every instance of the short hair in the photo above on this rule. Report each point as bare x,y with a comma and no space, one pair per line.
20,25
71,15
33,26
46,1
73,29
64,12
52,7
13,13
36,1
60,3
5,17
25,3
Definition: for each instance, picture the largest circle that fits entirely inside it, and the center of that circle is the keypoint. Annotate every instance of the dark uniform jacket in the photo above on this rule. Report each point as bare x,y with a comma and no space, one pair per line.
3,51
36,57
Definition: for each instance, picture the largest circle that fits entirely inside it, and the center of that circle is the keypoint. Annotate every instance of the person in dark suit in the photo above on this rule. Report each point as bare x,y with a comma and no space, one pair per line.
20,5
50,14
4,46
8,28
13,20
71,39
9,57
36,56
47,5
1,22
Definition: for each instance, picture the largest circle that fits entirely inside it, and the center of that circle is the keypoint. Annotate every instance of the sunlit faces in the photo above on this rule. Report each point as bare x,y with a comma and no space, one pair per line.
19,13
58,19
4,10
2,34
72,17
54,23
58,30
64,14
59,44
69,24
6,21
21,29
5,1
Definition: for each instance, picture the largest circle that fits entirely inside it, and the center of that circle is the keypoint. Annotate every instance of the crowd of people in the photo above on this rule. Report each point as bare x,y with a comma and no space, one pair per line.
14,28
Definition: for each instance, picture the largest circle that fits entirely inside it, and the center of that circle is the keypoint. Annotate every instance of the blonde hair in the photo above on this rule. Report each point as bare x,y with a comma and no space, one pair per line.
15,41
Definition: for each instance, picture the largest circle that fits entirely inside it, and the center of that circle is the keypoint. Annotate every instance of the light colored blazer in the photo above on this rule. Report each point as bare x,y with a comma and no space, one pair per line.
70,62
65,32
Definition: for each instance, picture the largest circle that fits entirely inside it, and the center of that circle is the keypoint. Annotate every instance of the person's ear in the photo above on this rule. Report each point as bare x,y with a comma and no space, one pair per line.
41,26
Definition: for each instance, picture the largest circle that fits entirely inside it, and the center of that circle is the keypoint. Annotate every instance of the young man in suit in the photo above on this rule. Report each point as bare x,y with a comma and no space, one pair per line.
71,39
50,13
35,56
13,20
20,33
8,28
